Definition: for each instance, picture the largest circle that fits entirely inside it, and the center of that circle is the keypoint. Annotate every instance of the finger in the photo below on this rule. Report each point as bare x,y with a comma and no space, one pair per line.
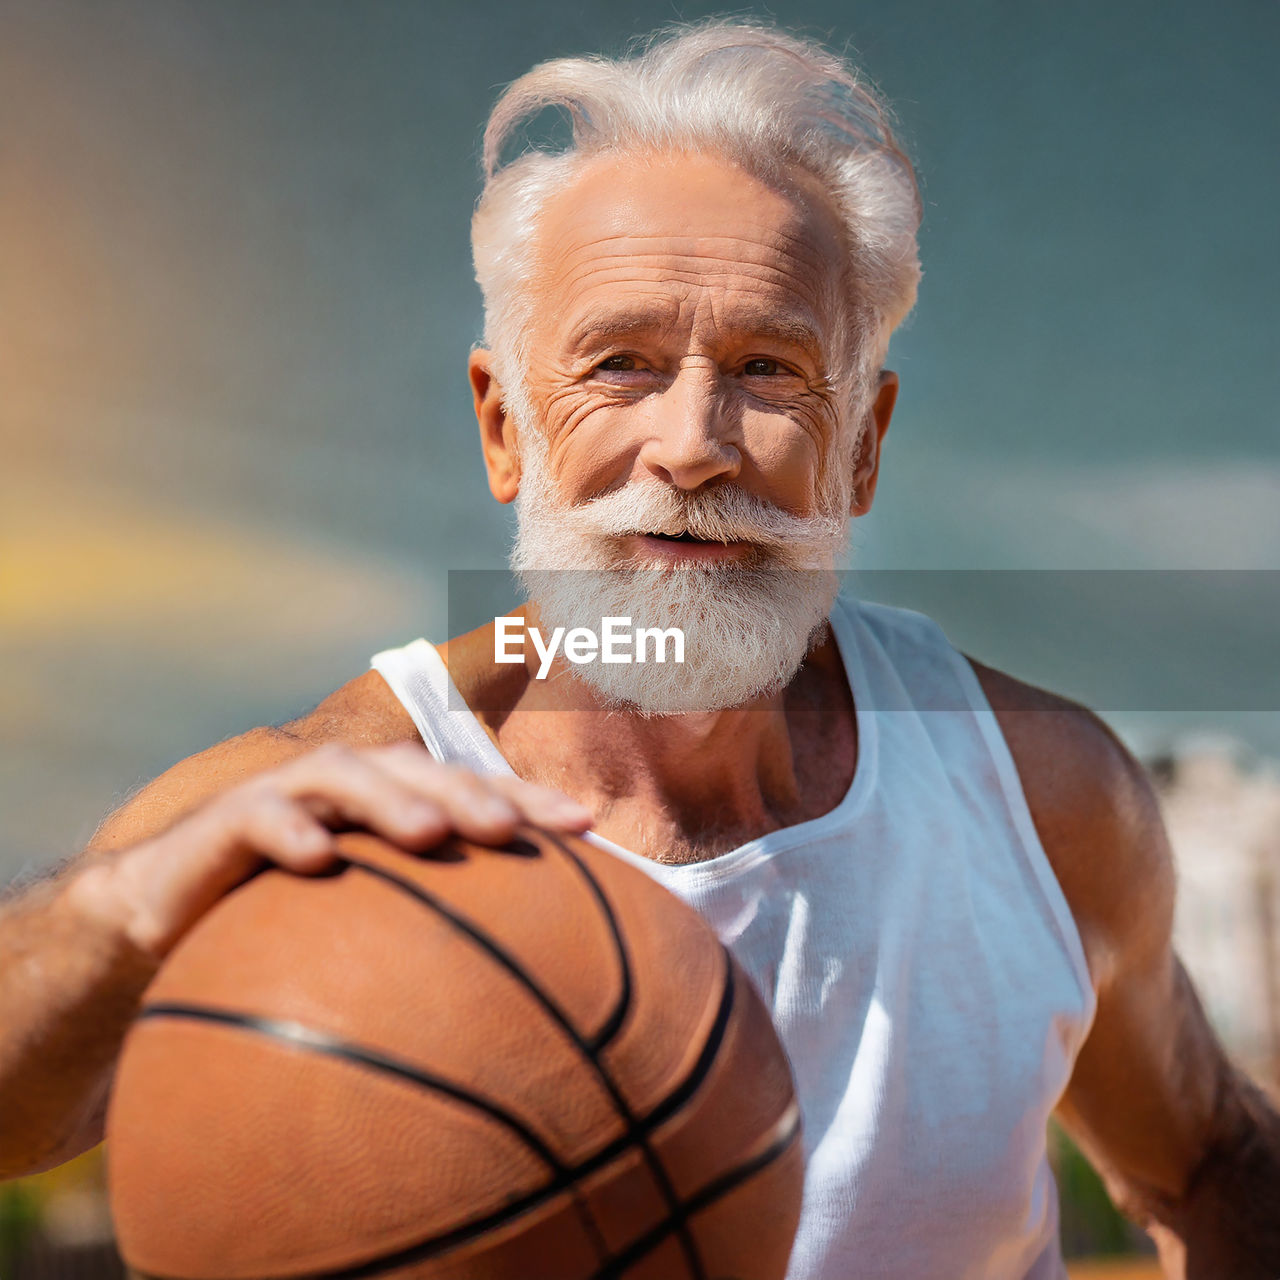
285,831
339,784
172,879
544,807
541,806
237,831
471,804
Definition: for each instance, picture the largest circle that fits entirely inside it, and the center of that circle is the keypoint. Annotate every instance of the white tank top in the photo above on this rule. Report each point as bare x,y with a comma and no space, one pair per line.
921,963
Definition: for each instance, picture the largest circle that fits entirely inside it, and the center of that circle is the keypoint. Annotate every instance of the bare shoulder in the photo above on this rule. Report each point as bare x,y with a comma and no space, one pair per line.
364,712
1097,816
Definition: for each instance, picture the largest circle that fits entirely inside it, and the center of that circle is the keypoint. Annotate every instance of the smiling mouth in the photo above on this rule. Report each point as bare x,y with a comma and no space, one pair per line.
685,537
686,548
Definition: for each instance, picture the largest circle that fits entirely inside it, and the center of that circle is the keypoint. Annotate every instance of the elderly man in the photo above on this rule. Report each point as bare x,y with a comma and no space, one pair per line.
953,888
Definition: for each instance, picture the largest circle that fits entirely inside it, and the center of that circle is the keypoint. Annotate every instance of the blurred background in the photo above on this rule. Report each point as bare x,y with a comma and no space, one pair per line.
237,455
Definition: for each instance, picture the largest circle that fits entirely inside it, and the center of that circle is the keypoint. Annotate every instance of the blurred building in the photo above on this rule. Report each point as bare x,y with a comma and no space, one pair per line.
1222,808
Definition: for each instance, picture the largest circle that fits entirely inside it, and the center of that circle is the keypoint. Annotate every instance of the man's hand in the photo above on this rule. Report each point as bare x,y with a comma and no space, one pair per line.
154,892
76,954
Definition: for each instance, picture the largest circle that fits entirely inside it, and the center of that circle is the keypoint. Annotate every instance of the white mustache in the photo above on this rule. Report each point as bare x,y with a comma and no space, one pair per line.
721,514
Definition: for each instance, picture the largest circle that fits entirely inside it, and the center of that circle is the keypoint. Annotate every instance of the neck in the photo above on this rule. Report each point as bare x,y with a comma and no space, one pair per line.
675,788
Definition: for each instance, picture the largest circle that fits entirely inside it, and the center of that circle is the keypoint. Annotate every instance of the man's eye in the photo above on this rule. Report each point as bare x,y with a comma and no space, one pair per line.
618,364
761,368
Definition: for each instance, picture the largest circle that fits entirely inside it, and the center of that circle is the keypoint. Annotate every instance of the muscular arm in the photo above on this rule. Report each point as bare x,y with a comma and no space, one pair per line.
1188,1146
70,982
363,713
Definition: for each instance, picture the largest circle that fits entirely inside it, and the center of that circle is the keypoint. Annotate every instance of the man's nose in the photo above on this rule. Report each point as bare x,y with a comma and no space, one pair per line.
694,437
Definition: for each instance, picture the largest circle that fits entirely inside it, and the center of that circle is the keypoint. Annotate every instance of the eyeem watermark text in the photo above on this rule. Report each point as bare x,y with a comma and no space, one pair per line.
616,642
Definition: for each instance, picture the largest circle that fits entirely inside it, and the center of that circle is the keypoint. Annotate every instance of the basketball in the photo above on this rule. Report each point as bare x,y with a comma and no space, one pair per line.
527,1063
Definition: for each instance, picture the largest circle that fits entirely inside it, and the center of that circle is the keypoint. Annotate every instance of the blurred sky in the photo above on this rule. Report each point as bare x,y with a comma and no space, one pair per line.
236,303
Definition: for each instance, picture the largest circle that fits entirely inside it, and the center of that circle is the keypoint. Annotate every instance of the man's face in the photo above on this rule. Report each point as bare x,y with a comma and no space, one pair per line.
688,443
684,332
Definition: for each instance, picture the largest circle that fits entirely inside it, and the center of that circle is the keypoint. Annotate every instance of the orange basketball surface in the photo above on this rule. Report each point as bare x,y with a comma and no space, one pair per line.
499,1064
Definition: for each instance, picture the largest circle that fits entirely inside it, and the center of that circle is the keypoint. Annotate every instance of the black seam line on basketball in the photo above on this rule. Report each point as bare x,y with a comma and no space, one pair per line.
657,1169
309,1040
424,1250
508,962
588,1220
708,1195
478,936
636,1137
706,1059
612,1024
421,1250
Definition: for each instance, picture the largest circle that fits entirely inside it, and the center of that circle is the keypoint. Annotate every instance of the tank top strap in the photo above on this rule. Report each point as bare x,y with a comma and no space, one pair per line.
911,665
419,678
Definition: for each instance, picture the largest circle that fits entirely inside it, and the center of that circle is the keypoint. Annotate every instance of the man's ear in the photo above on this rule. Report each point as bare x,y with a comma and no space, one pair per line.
867,473
497,431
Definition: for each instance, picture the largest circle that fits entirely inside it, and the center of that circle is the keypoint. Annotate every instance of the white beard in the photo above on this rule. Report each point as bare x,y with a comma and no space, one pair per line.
748,625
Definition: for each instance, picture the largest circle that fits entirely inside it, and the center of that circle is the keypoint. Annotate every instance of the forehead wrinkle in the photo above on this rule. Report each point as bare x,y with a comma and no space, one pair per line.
718,253
795,330
603,257
695,206
733,326
775,286
633,318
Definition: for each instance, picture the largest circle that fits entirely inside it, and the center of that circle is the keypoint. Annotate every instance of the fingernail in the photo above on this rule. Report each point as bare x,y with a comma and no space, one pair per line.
311,840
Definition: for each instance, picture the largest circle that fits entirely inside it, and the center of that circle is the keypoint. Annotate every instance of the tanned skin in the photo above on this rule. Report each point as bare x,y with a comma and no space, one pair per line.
655,351
1186,1144
77,952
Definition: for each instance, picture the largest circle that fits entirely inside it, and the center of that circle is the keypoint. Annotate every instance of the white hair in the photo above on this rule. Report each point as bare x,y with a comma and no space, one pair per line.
766,101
